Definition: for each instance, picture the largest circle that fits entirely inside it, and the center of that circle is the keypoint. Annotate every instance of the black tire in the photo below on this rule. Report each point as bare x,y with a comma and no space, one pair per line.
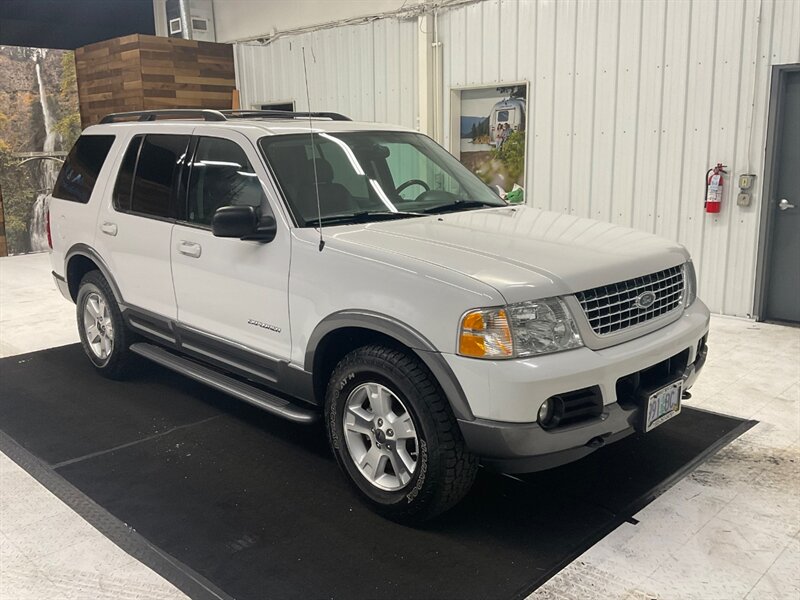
120,361
445,469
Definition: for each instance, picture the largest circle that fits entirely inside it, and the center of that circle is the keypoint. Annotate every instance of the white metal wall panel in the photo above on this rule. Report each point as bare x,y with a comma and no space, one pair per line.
583,120
366,71
630,102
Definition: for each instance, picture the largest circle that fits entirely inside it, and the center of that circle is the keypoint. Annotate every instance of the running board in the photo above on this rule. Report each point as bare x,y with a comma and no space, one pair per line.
237,389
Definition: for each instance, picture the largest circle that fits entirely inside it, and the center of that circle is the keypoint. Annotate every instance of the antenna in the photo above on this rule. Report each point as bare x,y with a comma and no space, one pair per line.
313,153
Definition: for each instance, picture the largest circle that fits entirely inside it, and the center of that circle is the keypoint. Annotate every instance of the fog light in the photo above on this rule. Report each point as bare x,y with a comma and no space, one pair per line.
546,412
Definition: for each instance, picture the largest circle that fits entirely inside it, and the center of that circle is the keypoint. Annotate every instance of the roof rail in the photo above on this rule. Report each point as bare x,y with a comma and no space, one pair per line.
216,115
282,114
152,115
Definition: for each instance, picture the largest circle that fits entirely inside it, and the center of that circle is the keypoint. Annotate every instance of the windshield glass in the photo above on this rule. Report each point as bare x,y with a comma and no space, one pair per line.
371,175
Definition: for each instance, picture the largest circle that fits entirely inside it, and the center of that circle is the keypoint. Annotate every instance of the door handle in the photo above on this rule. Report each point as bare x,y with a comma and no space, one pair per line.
189,248
784,204
109,228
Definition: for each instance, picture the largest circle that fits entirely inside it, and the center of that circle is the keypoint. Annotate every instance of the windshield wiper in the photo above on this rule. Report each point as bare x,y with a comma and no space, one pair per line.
458,205
365,217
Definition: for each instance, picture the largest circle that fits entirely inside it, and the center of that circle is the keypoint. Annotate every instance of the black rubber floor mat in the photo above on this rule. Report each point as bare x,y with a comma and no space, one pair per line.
256,506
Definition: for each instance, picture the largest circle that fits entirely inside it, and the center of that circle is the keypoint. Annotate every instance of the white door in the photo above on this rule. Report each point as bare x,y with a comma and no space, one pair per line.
230,292
135,224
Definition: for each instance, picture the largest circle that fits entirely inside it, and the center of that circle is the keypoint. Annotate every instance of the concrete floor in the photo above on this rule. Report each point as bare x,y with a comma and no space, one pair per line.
729,530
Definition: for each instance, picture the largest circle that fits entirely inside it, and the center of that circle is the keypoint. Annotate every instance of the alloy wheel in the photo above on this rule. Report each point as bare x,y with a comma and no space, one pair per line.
381,437
98,326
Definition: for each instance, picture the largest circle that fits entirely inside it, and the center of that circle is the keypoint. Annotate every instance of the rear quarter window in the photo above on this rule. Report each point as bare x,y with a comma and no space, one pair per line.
79,174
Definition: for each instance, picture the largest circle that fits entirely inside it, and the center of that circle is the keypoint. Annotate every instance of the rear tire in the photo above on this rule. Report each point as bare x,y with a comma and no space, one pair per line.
102,330
394,435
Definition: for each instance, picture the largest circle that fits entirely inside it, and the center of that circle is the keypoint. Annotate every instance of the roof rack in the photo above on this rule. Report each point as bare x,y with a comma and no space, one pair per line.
283,114
216,115
153,115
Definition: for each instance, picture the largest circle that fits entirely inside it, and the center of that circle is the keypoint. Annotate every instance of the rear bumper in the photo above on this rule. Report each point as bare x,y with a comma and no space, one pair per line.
62,286
623,374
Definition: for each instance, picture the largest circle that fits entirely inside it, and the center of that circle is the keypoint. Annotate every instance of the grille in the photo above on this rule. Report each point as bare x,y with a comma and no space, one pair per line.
611,308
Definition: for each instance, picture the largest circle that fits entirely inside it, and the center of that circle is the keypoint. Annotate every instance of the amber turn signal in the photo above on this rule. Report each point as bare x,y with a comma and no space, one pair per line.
485,333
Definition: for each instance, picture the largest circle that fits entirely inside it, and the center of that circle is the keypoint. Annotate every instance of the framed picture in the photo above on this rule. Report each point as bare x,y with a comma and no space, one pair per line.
488,134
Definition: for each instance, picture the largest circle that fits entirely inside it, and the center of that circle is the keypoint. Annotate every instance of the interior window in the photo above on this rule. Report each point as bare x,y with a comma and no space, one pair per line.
79,173
157,172
221,176
124,185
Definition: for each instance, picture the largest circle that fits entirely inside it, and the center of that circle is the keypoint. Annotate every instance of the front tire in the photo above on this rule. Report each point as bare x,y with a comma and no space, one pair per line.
394,435
104,336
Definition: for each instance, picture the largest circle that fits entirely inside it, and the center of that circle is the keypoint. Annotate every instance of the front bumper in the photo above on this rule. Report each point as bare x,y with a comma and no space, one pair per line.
505,396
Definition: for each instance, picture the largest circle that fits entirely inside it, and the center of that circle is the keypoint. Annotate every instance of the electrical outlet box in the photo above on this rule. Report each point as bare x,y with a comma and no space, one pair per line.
746,182
743,199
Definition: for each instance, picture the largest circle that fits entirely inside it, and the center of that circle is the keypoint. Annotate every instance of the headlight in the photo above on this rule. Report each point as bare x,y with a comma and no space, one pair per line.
542,326
523,329
690,283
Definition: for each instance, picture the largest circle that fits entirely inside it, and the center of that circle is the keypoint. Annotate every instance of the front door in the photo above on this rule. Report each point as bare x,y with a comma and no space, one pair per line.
232,294
782,292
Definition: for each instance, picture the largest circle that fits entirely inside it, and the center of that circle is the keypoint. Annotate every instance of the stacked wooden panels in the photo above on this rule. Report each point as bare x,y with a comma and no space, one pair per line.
143,72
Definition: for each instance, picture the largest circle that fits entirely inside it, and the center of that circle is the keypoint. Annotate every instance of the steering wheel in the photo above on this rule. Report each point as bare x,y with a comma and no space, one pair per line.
411,182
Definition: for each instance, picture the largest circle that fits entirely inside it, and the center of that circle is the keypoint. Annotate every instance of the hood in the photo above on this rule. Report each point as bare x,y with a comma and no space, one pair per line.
523,252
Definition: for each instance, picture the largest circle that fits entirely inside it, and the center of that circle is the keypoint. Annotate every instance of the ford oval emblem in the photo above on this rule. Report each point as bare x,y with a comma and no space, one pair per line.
644,300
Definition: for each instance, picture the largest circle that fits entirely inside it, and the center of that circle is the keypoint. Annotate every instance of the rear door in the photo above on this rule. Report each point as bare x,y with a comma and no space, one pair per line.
78,193
232,294
135,226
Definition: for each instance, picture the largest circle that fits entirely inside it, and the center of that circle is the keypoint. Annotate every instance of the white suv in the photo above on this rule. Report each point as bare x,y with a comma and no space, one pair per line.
317,267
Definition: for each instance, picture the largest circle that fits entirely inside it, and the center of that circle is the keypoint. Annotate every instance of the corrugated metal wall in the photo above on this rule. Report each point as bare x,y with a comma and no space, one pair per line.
630,103
368,72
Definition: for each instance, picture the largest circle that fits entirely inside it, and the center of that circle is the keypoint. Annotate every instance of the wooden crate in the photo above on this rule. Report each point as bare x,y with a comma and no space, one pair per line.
144,72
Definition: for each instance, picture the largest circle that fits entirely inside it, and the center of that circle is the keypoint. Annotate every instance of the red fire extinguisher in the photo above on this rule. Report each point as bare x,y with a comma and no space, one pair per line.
714,181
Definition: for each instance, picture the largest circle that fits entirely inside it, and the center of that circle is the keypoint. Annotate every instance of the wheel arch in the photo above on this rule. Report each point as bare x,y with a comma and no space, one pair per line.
341,332
81,259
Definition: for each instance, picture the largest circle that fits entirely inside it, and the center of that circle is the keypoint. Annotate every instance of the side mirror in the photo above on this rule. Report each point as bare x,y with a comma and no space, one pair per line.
242,222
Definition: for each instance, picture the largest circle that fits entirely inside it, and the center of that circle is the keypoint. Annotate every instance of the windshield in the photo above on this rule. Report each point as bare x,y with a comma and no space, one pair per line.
371,175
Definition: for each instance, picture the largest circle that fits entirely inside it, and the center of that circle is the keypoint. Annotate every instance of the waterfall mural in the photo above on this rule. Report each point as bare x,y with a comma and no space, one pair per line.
39,122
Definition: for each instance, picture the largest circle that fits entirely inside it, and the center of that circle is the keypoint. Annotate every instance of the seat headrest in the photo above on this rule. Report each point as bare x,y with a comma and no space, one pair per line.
250,192
324,170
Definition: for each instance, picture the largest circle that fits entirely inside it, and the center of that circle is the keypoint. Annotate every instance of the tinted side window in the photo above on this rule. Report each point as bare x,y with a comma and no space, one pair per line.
157,171
79,174
221,176
124,185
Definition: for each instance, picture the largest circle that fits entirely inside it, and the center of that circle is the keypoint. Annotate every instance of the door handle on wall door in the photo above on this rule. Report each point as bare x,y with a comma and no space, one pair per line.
784,204
189,249
109,228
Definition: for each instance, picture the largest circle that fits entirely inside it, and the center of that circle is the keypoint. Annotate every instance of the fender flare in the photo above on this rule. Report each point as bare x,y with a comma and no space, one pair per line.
91,254
404,334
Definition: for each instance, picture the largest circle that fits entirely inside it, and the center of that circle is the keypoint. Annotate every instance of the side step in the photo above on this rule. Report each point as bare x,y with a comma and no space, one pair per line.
237,389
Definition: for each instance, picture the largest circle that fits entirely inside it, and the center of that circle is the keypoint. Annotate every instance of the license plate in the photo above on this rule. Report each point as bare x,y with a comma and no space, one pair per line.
663,405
